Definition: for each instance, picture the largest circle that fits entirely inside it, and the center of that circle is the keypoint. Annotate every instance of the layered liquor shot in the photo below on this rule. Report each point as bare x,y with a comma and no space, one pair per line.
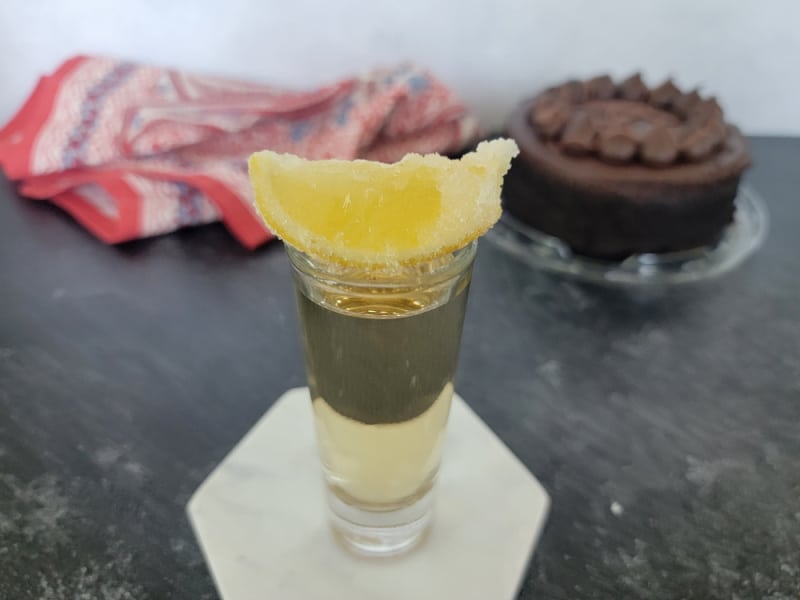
382,260
381,356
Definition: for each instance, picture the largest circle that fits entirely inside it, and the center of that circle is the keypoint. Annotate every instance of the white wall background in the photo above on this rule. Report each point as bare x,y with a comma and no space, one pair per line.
494,52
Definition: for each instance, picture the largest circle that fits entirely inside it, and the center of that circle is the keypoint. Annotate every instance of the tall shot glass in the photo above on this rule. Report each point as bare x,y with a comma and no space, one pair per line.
381,349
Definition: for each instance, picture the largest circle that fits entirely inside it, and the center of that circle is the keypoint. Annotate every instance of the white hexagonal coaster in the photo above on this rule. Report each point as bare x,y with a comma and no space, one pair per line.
261,519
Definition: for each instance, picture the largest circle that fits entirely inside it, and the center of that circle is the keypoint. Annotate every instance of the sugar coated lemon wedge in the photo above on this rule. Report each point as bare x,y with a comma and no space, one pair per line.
369,213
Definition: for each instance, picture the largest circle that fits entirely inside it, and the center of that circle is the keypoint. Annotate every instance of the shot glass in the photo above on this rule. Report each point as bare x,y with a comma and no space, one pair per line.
381,348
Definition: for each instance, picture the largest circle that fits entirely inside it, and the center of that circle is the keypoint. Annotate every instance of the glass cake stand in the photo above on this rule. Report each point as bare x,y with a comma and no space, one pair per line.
740,239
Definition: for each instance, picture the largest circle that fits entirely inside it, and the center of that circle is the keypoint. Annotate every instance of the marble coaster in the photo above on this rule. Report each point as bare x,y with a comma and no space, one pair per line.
261,519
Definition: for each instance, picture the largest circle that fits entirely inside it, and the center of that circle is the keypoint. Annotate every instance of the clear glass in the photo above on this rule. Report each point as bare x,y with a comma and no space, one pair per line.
739,240
381,349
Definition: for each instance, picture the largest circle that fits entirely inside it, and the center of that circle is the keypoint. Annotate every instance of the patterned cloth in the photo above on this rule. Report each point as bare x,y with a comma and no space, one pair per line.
132,151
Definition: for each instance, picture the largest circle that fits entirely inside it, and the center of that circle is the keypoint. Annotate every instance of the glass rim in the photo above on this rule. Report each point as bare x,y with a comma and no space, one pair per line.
430,271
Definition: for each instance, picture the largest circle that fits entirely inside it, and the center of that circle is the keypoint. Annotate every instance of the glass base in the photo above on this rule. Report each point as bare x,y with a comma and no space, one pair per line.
380,533
739,240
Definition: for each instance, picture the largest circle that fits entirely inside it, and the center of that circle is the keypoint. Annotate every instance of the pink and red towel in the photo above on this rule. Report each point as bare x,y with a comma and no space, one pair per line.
132,151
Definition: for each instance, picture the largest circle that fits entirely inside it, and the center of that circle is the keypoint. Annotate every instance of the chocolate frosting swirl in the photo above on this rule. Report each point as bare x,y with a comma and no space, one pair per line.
629,123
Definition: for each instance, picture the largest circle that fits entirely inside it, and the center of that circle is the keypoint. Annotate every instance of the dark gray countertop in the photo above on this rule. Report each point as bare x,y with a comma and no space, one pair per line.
665,425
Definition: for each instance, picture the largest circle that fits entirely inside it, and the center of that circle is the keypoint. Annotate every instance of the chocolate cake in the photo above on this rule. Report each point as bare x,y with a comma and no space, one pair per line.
620,169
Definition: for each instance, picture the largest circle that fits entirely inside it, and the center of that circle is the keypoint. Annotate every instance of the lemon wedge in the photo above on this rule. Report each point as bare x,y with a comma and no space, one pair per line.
362,212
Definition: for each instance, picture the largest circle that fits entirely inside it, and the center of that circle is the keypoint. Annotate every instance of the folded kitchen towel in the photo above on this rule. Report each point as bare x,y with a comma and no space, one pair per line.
132,151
